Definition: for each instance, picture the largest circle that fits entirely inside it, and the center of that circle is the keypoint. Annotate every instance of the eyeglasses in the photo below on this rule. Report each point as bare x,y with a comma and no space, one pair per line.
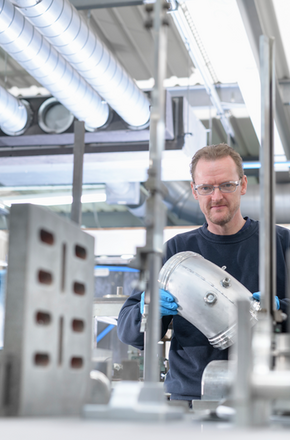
226,187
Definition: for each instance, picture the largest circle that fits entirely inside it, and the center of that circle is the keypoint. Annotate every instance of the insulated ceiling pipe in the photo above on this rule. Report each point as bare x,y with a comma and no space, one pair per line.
179,199
15,115
250,202
68,32
31,50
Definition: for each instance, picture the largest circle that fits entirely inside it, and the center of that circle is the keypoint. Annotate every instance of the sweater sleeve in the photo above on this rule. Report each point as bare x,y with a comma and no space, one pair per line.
129,321
284,305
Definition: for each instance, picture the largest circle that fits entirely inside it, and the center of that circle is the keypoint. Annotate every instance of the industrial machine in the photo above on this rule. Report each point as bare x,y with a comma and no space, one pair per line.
49,367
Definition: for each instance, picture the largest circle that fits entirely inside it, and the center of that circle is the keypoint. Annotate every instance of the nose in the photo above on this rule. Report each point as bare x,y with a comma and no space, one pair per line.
217,194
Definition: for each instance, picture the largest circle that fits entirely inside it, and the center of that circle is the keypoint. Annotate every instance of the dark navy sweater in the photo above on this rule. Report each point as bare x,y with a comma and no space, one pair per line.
190,350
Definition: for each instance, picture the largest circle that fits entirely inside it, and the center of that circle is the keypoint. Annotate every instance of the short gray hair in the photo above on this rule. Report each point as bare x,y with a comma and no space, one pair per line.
215,152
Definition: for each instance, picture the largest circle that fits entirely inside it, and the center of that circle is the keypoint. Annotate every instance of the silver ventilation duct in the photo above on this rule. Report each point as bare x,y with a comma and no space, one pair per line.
250,202
179,199
30,49
66,30
15,114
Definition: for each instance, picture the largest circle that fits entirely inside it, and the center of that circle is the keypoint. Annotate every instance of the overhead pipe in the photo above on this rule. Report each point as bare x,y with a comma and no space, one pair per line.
179,199
33,52
15,114
67,31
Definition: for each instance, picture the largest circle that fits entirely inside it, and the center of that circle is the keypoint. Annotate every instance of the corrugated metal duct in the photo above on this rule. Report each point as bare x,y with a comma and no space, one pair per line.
31,50
250,203
14,113
67,31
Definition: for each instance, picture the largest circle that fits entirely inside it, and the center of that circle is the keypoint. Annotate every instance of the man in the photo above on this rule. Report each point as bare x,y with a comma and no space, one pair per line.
226,239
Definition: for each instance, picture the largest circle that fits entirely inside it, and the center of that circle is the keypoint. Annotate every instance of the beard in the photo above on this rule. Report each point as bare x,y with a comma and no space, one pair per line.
222,219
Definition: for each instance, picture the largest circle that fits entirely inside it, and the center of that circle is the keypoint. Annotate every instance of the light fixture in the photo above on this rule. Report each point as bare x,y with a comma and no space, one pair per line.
67,31
281,166
55,200
32,51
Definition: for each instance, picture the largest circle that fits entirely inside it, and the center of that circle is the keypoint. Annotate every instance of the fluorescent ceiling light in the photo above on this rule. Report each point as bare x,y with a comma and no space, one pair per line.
51,188
53,200
279,166
251,165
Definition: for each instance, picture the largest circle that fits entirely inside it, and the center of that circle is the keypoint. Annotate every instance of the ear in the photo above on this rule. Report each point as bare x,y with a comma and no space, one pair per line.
193,191
244,185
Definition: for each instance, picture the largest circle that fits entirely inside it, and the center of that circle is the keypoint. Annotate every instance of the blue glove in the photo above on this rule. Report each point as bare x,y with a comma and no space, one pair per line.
257,296
168,305
142,303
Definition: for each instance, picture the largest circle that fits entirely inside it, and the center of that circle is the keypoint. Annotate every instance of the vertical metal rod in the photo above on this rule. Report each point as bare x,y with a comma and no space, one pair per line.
210,127
155,209
79,148
243,365
287,293
267,247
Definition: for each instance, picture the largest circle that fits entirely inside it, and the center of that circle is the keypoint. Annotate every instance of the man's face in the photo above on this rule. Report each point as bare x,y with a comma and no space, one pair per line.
219,208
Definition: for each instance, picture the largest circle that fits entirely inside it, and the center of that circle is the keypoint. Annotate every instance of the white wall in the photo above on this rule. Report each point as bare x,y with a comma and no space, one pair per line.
123,241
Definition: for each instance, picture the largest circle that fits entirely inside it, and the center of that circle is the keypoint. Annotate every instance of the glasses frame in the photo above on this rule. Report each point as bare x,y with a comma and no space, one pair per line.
236,182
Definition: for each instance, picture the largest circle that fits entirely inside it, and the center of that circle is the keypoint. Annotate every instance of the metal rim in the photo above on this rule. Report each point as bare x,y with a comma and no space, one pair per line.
42,112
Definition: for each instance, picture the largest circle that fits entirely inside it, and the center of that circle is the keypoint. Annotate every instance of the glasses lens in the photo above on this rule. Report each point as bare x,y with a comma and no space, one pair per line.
228,187
205,190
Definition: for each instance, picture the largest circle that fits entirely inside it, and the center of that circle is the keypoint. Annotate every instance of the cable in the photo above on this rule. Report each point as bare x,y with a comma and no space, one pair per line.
105,332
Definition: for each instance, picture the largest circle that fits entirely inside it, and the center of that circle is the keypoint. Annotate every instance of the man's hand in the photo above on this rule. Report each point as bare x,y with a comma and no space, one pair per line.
168,306
257,297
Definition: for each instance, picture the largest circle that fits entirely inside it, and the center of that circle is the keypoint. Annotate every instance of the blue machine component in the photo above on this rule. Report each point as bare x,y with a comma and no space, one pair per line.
117,268
105,332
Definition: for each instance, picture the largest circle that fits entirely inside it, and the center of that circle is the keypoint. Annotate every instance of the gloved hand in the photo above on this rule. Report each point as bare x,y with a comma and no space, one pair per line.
257,297
142,302
167,302
168,306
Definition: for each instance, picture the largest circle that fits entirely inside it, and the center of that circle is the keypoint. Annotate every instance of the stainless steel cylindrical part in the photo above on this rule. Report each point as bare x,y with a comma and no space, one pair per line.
207,296
216,381
282,351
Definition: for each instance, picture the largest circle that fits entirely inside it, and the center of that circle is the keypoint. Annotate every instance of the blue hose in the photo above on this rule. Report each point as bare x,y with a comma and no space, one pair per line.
105,332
